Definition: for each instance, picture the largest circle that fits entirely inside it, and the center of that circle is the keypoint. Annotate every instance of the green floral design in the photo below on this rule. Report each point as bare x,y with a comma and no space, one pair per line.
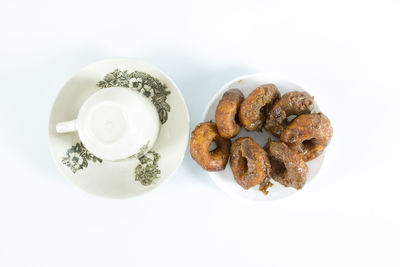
145,84
147,171
77,158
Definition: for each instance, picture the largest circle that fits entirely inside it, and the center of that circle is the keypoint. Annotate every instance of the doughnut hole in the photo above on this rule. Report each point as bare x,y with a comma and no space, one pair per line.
308,145
243,165
277,167
213,146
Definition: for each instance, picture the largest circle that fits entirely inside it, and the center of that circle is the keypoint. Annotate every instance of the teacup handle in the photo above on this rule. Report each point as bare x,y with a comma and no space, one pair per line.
66,126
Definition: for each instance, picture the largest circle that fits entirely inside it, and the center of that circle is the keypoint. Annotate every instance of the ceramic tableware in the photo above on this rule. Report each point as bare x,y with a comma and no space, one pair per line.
115,123
148,167
224,179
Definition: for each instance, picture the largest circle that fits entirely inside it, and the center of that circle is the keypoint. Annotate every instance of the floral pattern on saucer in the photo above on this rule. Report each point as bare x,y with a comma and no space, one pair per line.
145,84
77,158
147,171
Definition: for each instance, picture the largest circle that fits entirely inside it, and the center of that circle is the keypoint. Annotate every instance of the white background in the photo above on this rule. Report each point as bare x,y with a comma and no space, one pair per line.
345,52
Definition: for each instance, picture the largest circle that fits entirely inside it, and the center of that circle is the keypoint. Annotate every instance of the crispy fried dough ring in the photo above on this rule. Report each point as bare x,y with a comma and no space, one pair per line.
292,103
287,167
308,134
225,116
252,109
249,162
202,137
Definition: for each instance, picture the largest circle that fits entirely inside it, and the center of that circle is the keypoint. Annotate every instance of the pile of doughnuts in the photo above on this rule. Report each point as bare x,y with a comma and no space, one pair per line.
303,136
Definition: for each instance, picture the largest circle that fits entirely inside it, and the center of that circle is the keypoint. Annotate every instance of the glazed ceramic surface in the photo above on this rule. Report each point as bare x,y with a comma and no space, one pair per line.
224,179
149,167
115,123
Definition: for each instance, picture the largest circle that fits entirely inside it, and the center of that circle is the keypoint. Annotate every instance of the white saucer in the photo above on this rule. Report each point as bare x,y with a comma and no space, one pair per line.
224,179
133,176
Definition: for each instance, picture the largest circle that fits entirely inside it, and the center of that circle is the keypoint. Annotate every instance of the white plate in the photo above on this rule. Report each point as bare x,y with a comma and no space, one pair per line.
129,177
224,179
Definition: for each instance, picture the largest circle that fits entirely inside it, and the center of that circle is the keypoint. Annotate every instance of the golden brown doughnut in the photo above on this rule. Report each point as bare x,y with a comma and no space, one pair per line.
249,162
227,109
202,137
308,134
253,108
292,103
287,167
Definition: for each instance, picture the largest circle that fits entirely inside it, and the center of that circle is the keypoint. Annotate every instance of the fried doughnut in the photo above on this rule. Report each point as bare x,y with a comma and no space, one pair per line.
253,108
249,162
225,116
202,137
292,103
287,167
308,134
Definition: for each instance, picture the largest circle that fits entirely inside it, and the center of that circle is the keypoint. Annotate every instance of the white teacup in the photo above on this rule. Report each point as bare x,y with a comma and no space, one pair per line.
115,123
